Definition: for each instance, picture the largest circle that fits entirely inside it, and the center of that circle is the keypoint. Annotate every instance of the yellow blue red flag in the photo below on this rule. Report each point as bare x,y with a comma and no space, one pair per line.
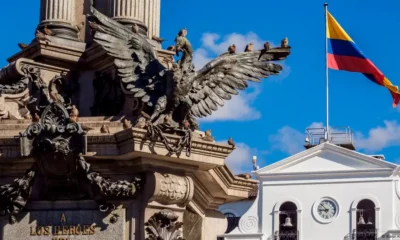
343,54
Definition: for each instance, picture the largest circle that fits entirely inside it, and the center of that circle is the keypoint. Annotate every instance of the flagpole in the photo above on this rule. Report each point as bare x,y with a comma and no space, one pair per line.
326,71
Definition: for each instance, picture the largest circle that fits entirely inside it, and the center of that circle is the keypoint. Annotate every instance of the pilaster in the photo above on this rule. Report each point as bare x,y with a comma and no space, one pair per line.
59,17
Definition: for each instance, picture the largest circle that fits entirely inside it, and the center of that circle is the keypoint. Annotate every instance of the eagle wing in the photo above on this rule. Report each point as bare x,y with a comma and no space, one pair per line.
228,73
134,57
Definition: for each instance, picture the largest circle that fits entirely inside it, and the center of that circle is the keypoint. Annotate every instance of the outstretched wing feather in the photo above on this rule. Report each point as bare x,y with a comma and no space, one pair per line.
214,97
228,89
195,111
236,83
128,79
140,94
206,108
227,74
201,109
221,93
131,53
146,98
111,24
123,63
127,71
211,104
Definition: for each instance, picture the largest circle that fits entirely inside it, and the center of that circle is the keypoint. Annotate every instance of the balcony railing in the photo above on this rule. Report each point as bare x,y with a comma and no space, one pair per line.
287,235
365,234
342,136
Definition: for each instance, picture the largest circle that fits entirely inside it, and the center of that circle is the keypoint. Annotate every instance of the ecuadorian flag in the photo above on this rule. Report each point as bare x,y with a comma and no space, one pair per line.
343,54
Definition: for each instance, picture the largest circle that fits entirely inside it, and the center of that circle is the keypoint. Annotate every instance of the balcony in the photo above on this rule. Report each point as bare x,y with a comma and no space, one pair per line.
341,136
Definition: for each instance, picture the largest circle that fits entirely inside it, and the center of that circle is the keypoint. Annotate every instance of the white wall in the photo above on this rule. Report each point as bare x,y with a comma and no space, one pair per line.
343,193
323,171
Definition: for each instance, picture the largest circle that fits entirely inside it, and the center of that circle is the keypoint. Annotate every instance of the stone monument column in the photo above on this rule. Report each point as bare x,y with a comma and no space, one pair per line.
151,17
59,17
145,13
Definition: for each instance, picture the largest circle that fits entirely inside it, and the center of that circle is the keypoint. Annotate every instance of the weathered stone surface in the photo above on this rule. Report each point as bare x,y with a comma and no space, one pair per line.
193,224
93,224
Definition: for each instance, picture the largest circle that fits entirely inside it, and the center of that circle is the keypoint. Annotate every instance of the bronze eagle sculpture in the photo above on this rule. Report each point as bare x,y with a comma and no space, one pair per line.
179,94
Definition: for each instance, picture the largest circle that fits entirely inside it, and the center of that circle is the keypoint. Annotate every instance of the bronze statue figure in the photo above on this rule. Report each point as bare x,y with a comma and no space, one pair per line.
179,93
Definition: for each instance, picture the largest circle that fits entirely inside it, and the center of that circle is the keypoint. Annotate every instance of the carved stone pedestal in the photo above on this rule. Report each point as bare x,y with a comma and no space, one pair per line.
126,185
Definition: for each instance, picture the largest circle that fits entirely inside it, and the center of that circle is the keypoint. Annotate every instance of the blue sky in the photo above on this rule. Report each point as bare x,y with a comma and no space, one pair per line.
274,114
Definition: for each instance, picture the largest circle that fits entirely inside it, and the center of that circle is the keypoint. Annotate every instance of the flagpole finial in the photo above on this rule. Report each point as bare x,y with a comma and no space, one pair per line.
325,4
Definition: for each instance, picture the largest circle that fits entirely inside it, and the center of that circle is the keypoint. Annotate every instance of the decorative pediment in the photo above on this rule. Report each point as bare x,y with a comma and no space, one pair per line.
327,158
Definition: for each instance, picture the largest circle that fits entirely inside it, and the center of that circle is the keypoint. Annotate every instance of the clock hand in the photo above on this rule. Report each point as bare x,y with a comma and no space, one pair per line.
324,207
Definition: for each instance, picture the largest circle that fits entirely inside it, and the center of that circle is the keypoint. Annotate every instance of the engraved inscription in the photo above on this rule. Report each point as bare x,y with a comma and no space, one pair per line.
57,230
64,225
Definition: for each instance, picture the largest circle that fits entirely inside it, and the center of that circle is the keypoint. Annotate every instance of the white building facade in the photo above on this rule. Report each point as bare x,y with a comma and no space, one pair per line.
324,193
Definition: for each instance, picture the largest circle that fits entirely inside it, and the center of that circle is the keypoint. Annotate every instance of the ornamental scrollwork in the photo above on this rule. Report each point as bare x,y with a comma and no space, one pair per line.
157,133
164,225
14,196
104,189
172,189
58,143
248,224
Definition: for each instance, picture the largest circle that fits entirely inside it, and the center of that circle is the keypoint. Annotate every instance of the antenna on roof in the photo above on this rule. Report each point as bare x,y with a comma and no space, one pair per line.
255,166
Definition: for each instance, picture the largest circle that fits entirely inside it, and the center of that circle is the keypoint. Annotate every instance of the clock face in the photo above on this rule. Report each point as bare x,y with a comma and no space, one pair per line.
327,209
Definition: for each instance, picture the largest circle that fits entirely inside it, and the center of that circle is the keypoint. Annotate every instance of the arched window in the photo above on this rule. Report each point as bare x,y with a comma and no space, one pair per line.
366,220
229,215
288,224
233,221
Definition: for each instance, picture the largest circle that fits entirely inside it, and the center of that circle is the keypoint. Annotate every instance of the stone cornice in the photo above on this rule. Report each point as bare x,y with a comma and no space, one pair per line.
89,55
29,52
201,147
230,179
56,48
14,69
203,198
328,147
233,184
129,152
132,143
358,175
101,139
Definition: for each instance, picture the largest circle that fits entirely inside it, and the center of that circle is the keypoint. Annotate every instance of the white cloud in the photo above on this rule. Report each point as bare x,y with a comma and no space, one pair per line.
209,40
200,58
240,160
290,140
214,45
317,125
379,138
236,109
